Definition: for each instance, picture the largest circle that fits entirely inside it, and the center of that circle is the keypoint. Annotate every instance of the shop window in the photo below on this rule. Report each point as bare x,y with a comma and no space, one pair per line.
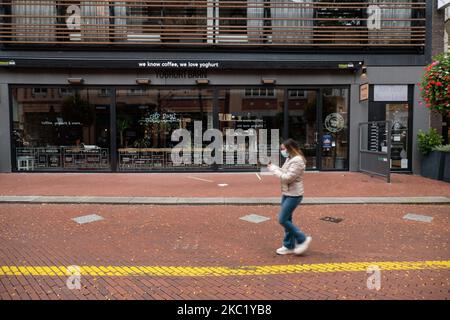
65,131
145,124
251,108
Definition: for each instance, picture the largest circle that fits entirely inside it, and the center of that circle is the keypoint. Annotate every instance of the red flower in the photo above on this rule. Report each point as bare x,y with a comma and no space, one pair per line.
439,84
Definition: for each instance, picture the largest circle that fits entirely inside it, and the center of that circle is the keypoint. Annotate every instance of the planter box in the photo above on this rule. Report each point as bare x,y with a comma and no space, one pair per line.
446,175
433,165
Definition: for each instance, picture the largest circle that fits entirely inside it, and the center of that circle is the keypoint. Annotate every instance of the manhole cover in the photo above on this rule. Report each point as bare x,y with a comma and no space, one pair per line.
332,219
254,218
417,217
88,218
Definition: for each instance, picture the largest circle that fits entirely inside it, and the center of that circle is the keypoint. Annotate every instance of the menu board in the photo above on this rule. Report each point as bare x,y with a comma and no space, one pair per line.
48,157
85,158
66,157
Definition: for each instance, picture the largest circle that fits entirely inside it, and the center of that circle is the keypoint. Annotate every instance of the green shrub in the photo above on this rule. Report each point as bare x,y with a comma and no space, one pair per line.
428,140
445,148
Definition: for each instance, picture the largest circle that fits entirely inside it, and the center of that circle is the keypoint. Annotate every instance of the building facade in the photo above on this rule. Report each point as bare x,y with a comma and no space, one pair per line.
101,85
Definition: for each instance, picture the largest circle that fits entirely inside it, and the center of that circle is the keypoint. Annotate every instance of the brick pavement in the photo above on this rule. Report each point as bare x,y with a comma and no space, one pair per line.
45,235
317,184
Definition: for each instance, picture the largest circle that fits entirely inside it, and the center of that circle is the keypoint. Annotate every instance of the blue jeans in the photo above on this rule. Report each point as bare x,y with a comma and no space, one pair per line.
292,234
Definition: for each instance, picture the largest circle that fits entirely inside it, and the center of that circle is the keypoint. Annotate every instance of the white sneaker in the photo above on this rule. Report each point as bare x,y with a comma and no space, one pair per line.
301,248
283,250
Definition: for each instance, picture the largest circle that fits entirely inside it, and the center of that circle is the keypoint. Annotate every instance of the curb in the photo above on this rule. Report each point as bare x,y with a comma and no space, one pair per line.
216,201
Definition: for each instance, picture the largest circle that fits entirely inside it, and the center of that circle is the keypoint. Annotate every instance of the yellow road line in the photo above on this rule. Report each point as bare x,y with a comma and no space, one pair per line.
180,271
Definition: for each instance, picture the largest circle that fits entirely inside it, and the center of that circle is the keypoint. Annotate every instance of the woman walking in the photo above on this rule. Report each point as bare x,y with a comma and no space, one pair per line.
291,176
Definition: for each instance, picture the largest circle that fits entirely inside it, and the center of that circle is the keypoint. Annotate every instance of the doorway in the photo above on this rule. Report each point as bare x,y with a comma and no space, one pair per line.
318,120
400,113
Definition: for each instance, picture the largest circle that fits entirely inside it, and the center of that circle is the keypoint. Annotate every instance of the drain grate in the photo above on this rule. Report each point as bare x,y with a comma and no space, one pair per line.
254,218
332,219
88,218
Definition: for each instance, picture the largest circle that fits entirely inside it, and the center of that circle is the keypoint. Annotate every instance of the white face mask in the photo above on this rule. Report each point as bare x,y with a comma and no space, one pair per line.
284,153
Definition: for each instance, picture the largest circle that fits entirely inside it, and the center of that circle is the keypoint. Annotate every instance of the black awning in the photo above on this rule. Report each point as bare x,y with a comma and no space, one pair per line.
171,64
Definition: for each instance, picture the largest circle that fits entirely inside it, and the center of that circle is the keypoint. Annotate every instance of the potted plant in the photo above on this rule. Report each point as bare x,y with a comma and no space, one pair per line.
432,162
445,153
122,125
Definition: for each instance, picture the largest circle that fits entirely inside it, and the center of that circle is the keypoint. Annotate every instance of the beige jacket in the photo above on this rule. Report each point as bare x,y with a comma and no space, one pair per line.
291,176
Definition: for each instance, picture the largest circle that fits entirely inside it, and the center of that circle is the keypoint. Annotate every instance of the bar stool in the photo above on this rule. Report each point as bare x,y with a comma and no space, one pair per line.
25,163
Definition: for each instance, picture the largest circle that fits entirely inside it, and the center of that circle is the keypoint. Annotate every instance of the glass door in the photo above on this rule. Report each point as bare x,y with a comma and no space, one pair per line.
334,129
398,114
318,120
303,123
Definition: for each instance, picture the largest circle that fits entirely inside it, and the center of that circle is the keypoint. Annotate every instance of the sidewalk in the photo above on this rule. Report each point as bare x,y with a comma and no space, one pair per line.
215,188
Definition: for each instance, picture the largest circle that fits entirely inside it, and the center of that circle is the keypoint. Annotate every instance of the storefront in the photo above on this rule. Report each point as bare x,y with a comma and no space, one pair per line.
129,128
119,115
101,86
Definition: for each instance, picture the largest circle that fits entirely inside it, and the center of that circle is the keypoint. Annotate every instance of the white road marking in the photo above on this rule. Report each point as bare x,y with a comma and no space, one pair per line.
200,179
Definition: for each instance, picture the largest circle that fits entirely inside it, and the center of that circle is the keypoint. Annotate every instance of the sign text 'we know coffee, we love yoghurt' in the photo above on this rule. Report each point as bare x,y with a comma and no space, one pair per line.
204,65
